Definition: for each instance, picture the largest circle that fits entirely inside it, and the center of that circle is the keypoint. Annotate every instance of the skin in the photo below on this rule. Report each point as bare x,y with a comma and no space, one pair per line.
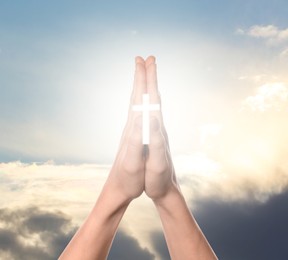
136,170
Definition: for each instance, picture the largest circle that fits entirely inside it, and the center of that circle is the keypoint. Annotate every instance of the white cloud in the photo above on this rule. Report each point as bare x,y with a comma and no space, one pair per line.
48,185
270,96
263,31
270,33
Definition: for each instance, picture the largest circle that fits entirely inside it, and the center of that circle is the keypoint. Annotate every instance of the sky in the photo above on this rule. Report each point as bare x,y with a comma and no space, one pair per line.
66,73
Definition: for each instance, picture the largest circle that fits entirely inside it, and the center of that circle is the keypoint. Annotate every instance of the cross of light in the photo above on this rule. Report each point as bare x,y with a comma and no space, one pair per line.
146,107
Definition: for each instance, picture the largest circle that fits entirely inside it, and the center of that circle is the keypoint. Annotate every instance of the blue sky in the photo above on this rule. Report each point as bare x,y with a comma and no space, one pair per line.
61,60
66,72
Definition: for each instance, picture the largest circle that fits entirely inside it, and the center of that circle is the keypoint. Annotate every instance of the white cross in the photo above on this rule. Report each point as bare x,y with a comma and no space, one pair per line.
145,108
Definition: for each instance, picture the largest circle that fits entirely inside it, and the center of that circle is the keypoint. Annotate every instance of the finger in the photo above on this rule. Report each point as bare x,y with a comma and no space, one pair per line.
132,150
150,60
158,151
152,87
139,86
151,78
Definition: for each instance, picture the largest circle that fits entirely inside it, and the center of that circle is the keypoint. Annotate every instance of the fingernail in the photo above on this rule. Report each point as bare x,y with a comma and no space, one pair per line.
138,59
152,59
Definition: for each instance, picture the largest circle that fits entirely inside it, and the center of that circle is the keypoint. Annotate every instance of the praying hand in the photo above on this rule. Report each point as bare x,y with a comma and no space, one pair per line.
143,164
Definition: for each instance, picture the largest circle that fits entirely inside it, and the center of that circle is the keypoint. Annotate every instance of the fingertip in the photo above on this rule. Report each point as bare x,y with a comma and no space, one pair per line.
150,60
139,59
139,81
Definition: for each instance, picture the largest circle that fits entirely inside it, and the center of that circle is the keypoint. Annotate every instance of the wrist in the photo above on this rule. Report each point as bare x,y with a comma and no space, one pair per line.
114,196
109,209
172,196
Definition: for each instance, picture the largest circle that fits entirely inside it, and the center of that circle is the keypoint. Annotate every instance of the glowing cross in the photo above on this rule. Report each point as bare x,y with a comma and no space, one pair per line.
145,108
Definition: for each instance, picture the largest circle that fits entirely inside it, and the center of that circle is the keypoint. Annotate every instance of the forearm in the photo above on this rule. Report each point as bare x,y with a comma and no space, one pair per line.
94,238
182,233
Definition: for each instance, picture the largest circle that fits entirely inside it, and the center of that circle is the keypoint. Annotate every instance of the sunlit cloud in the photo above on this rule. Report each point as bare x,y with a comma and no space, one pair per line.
270,96
246,173
197,164
245,167
71,189
48,185
243,159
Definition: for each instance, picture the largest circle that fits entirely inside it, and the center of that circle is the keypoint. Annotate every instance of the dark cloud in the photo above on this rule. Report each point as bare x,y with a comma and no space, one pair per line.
246,230
160,245
11,247
126,247
53,229
240,230
44,221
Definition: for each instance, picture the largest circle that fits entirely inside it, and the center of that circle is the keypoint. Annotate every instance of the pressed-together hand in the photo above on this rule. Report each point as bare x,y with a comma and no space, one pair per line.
139,168
136,167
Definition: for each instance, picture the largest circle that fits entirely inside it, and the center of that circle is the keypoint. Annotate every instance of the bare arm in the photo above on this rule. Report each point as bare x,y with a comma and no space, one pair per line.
183,236
125,182
131,174
94,238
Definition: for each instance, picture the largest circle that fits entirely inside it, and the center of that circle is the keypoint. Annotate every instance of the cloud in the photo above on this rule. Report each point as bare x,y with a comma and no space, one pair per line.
284,53
126,247
72,189
270,96
160,245
247,158
270,33
263,31
33,233
245,230
33,183
244,163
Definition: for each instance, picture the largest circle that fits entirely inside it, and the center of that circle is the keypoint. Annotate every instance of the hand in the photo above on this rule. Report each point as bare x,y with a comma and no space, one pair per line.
127,174
133,171
159,171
